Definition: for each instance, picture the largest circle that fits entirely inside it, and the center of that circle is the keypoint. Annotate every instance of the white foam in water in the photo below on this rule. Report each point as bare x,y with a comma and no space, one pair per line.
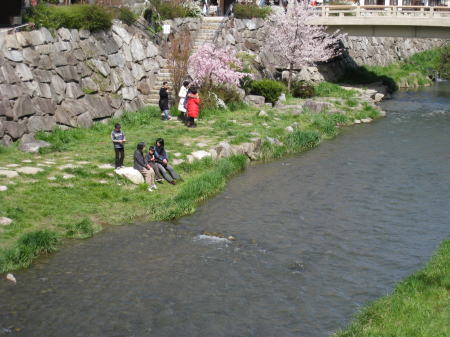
211,239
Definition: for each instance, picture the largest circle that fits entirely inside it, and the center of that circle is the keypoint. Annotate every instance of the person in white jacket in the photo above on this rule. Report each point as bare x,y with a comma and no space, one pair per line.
182,94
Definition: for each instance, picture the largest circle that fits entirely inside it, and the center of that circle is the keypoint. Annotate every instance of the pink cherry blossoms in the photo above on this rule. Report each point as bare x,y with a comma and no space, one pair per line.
295,41
212,65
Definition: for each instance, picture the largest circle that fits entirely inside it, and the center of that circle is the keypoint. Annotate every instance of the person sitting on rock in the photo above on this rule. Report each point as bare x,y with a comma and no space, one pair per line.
151,160
142,166
163,163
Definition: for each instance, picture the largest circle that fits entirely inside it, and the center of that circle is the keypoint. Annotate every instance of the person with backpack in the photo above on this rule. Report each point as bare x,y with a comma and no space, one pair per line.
193,108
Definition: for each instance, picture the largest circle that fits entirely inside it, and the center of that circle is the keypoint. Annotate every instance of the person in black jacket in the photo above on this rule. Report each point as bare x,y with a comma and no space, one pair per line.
142,166
164,101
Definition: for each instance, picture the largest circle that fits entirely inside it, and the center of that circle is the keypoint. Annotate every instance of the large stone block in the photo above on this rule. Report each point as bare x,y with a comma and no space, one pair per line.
9,74
151,66
45,63
122,33
255,100
31,57
32,88
137,71
46,91
11,41
317,106
29,144
116,60
84,70
73,90
37,37
85,120
41,123
22,107
151,50
98,107
68,73
10,91
43,76
5,108
13,55
64,34
129,93
109,46
99,66
15,129
137,50
42,106
58,85
59,59
88,84
24,72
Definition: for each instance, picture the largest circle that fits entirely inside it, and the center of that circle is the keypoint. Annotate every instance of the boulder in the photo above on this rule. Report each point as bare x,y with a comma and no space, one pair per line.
138,71
289,129
10,91
29,170
129,93
42,106
9,74
13,55
224,150
131,174
99,66
43,76
121,33
6,140
151,50
45,63
273,141
41,123
88,84
254,100
144,87
97,106
316,106
31,57
4,221
3,188
5,108
378,97
29,144
366,120
198,155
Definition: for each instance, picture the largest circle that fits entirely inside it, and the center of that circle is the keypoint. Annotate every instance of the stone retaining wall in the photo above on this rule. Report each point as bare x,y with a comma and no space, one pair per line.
72,78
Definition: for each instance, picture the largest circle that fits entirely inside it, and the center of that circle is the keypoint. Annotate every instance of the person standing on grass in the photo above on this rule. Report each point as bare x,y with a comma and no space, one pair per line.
182,95
164,101
193,108
142,166
118,139
163,163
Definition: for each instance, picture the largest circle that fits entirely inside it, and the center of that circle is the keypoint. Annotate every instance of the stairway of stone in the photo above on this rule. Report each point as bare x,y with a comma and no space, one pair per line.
206,33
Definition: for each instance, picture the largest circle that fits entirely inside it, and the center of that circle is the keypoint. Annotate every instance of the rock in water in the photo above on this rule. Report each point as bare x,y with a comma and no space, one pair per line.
131,174
10,277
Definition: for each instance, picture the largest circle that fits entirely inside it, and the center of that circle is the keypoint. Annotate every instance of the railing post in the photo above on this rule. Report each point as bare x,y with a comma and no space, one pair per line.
431,12
358,11
323,10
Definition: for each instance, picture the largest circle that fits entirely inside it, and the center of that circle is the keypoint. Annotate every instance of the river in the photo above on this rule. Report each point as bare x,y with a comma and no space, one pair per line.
318,236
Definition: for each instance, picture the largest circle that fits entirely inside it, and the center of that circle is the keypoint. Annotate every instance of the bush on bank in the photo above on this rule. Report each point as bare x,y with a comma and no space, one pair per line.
90,17
270,89
418,307
250,11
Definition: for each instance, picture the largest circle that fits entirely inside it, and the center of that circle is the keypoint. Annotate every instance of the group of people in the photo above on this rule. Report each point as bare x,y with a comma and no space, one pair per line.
188,106
153,164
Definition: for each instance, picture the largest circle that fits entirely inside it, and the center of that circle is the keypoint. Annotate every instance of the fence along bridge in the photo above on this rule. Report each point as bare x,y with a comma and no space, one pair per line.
392,21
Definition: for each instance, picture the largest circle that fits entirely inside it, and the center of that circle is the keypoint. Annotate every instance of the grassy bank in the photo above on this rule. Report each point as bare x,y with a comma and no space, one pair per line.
418,307
75,196
416,71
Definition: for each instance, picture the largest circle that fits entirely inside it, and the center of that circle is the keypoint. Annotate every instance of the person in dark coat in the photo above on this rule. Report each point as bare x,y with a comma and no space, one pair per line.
164,102
163,163
118,139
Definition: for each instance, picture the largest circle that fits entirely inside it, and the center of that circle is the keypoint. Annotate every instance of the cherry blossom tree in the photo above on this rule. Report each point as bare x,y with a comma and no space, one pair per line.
211,65
295,41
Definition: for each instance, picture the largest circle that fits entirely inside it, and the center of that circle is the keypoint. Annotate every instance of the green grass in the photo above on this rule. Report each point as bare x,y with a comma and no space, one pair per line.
94,198
415,71
327,89
418,307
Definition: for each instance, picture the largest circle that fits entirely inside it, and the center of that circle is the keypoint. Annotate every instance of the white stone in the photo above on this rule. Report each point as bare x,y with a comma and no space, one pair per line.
151,50
27,161
200,154
3,188
378,97
177,161
51,178
262,113
366,120
177,154
83,162
382,113
8,173
129,93
202,144
4,221
122,33
24,72
131,174
357,121
12,165
68,166
68,176
289,129
13,55
103,181
29,170
282,97
137,71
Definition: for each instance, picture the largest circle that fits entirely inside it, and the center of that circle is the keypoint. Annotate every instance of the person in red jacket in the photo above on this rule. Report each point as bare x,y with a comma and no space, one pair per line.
193,108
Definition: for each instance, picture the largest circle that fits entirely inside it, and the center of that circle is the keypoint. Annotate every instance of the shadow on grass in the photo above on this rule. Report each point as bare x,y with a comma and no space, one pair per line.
362,75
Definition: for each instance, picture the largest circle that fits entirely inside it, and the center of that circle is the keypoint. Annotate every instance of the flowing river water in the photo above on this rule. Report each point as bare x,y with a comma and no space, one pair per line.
318,236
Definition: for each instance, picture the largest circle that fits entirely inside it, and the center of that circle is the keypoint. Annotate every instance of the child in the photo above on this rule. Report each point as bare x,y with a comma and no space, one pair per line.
193,107
143,167
118,139
151,160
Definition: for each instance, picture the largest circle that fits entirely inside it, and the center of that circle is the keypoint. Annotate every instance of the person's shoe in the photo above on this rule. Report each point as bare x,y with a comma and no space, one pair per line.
173,182
154,187
150,189
160,181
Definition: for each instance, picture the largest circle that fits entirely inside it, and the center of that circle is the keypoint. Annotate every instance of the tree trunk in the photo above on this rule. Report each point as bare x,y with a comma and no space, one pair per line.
290,76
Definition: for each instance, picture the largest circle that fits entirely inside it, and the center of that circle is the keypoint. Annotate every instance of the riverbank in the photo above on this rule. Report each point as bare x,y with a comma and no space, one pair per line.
70,189
418,306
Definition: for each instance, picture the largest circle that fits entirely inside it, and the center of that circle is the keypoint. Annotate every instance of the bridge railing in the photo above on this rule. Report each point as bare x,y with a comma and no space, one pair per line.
389,11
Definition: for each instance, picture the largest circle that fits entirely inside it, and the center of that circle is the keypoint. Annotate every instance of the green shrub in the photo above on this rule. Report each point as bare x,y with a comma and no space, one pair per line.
80,230
270,89
169,10
228,94
302,89
90,17
127,16
249,11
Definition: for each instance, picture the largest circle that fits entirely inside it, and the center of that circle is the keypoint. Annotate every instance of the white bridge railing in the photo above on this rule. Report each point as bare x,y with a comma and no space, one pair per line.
384,11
